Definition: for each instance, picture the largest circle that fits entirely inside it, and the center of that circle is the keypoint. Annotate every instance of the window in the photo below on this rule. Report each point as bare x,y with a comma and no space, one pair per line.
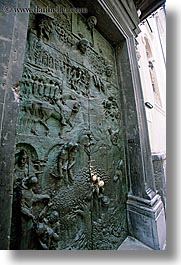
153,76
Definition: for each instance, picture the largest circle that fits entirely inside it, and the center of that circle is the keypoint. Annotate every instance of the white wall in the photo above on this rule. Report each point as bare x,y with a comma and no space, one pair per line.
153,35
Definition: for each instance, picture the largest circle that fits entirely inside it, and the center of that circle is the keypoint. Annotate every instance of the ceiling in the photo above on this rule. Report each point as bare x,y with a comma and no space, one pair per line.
147,7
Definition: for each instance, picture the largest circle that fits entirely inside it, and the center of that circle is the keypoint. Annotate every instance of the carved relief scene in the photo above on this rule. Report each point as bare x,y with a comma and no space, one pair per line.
69,174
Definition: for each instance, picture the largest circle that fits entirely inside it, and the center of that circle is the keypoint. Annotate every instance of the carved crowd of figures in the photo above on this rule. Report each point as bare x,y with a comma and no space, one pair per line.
51,80
44,222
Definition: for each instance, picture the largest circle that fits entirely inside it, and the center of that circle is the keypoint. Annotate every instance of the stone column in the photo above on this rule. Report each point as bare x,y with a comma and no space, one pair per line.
13,33
146,217
159,168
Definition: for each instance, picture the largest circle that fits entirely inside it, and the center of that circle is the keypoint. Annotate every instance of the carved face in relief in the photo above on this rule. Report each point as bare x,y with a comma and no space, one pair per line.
114,138
53,217
119,165
91,21
76,107
33,180
40,229
22,158
30,182
109,70
83,45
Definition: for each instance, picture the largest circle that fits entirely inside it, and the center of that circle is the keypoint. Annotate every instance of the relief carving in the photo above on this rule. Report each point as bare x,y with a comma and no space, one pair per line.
26,174
97,60
65,163
29,197
41,99
83,45
98,191
40,56
21,165
91,22
98,83
118,177
109,70
85,139
114,136
78,78
44,27
64,35
108,232
84,234
66,199
37,112
111,108
48,231
108,224
118,171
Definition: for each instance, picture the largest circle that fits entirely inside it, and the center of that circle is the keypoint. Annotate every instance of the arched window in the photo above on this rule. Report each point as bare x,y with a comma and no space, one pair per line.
153,76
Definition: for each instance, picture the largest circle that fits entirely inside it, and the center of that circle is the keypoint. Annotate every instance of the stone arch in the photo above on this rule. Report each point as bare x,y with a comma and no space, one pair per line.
29,149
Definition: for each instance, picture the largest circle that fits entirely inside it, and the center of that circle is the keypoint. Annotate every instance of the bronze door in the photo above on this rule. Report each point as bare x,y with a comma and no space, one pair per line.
69,176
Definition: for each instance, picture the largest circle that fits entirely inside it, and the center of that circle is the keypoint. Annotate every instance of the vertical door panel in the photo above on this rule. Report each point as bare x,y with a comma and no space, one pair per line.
69,181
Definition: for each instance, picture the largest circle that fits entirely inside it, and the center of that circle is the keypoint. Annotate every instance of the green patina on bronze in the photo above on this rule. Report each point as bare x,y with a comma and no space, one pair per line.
69,176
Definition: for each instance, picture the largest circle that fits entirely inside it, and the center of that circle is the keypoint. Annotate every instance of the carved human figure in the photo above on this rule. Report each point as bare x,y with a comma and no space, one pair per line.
21,165
72,150
113,136
58,90
66,161
60,108
118,171
48,231
37,52
83,45
27,84
35,86
29,197
91,22
44,59
52,89
76,107
45,28
41,88
28,218
84,233
75,74
109,70
39,110
23,84
46,88
111,108
71,118
98,83
118,180
51,62
62,163
85,139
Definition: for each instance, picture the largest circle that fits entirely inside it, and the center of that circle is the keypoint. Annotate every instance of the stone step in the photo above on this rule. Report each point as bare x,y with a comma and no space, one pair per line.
131,243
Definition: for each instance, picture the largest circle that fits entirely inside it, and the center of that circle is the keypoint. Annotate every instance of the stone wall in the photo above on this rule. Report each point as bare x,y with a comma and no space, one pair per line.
159,167
12,45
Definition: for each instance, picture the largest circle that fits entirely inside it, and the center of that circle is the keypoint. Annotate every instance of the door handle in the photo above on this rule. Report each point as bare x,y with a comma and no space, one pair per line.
96,181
